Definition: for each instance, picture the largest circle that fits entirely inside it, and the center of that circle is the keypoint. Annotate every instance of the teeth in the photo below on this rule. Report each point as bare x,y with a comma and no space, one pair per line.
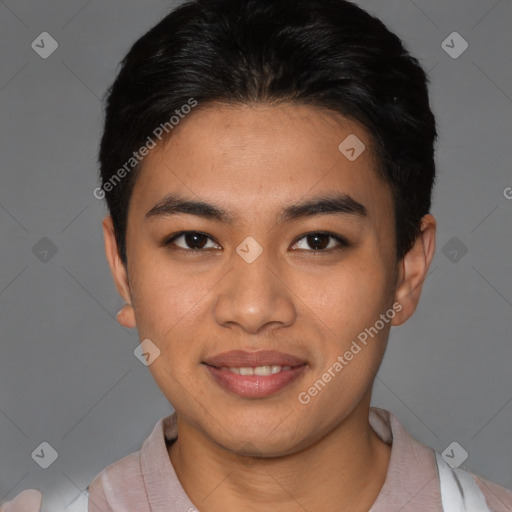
263,370
258,370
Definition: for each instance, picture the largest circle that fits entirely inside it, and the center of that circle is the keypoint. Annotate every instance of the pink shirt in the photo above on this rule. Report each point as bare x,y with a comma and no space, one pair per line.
145,481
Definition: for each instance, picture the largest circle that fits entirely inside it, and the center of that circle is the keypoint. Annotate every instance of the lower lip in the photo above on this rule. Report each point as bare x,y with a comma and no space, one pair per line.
255,386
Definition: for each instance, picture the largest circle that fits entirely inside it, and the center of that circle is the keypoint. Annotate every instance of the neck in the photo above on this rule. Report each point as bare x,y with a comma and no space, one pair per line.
345,470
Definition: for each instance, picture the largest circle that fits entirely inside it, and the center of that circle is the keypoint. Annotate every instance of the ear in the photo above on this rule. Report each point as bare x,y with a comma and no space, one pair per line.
413,270
126,317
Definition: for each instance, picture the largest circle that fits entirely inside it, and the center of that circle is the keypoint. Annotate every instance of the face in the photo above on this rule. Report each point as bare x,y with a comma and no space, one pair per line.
259,256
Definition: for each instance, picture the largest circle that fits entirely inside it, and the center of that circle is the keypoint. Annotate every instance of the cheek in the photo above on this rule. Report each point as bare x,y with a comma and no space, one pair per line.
348,298
170,309
348,303
168,301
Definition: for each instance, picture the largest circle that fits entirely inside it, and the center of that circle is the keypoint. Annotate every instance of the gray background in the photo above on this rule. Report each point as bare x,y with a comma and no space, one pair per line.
68,375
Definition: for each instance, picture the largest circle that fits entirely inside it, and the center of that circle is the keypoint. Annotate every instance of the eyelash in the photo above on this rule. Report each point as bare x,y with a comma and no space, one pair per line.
343,243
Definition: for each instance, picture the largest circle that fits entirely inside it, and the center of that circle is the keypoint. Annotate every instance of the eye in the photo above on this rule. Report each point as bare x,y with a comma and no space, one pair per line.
320,241
191,241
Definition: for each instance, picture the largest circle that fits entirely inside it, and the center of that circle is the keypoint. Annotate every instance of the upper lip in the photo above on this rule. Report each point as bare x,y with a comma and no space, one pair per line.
241,358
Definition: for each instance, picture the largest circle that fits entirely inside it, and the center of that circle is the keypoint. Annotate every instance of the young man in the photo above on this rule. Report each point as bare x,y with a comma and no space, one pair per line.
268,168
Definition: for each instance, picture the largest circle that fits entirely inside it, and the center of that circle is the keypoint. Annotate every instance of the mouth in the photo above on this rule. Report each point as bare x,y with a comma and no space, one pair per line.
254,374
261,371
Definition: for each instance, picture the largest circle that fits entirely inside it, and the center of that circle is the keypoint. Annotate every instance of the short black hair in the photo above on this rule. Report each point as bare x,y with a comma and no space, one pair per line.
329,54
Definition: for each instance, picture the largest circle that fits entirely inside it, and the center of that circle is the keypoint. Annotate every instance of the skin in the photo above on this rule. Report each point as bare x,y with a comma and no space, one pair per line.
274,453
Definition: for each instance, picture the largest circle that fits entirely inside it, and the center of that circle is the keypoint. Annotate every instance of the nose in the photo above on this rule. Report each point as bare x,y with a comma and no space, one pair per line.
254,297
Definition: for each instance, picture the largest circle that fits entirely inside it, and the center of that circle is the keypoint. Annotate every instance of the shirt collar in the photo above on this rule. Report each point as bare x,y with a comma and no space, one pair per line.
411,468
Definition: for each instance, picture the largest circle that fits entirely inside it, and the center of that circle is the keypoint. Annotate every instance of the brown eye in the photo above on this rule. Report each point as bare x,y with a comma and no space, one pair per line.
195,240
191,240
320,241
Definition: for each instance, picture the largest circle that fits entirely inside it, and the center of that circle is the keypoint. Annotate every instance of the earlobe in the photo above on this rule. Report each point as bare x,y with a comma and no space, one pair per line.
413,270
126,316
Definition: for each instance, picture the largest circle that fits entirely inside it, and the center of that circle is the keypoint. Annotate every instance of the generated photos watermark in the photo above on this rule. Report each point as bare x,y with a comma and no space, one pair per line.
158,133
334,369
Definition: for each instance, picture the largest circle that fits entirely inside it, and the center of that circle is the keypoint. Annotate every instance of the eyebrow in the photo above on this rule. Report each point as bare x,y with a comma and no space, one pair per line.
173,204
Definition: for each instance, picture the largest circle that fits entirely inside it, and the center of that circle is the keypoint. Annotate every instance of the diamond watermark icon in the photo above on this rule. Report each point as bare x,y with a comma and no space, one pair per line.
45,455
249,249
454,45
454,249
454,454
146,352
44,45
352,147
44,249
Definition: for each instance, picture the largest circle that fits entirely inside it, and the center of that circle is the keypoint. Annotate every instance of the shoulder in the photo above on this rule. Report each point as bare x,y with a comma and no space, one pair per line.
119,487
499,499
123,485
412,482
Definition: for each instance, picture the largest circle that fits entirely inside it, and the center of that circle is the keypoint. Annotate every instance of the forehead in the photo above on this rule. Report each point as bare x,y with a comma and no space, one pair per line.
258,157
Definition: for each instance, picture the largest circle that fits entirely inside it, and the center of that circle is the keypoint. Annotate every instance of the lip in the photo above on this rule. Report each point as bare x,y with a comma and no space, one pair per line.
241,358
254,386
